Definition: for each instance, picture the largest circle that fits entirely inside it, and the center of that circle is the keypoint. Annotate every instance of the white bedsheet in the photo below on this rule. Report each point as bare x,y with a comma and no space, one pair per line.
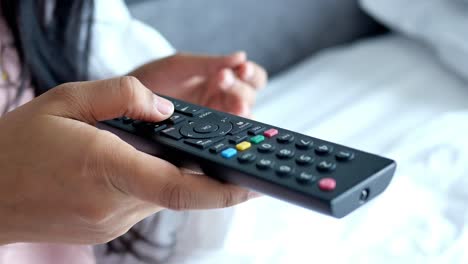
385,95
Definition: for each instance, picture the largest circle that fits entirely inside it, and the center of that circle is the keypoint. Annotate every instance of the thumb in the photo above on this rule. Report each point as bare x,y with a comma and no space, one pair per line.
95,101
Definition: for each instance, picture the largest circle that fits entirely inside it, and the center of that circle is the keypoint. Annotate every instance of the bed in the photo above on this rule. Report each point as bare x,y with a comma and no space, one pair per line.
385,95
392,94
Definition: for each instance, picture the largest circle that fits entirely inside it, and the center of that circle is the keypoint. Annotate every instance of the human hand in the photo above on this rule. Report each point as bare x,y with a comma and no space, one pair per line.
65,181
226,83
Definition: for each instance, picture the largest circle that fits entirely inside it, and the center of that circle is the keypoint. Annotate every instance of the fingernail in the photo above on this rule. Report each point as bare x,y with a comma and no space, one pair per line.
163,106
228,79
253,195
242,55
249,71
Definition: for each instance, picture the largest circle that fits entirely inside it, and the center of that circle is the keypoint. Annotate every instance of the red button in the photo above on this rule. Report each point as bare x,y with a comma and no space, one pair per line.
327,184
270,133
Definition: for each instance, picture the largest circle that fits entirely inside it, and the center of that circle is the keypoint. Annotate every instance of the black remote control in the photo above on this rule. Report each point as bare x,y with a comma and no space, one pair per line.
313,173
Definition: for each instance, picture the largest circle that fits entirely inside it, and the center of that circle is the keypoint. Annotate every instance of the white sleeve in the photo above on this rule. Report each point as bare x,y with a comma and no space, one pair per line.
120,43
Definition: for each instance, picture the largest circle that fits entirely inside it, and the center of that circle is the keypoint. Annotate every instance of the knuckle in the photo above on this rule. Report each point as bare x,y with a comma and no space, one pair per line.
64,92
95,216
128,86
69,100
102,223
175,197
130,91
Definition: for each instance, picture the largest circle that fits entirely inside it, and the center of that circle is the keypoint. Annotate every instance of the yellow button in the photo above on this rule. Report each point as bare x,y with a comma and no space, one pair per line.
243,146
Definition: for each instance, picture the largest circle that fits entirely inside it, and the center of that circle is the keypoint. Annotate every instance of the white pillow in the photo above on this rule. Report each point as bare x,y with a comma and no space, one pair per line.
442,24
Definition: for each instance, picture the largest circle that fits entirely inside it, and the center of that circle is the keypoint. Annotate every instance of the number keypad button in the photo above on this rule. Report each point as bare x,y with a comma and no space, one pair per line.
285,153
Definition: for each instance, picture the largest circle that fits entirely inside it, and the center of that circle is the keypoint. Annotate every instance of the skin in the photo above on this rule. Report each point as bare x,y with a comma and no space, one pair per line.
226,83
65,181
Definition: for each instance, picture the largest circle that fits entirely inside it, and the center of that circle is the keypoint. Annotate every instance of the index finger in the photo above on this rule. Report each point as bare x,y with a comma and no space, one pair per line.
253,74
157,181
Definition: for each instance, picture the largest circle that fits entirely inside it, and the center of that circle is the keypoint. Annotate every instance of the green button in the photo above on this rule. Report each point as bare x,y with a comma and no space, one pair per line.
257,139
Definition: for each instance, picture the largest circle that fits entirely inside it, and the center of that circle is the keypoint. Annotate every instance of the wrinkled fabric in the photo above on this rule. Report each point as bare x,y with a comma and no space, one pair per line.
440,24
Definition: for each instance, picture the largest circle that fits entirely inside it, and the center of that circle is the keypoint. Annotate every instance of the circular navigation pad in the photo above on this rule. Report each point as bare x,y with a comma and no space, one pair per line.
206,128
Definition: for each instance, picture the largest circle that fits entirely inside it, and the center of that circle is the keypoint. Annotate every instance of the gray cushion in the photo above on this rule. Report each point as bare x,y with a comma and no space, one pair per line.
275,33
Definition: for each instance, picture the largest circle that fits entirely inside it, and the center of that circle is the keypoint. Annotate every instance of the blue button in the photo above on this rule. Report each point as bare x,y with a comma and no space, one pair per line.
229,153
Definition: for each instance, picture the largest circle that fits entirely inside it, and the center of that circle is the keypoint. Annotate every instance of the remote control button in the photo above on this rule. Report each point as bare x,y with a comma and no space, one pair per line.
305,178
205,128
159,127
228,153
326,166
246,157
194,112
237,139
172,132
177,105
145,126
188,110
218,148
344,155
256,130
284,170
285,154
257,139
327,184
149,125
243,146
224,127
304,160
239,126
304,144
286,138
205,114
137,123
127,120
323,150
176,119
266,148
270,133
265,164
202,143
188,129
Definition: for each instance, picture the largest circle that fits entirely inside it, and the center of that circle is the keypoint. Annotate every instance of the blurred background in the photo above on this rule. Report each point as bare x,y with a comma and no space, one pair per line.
275,34
386,76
